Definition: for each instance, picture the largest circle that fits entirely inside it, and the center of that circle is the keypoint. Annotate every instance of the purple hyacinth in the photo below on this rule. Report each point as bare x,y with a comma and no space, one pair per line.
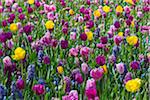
15,93
41,81
40,56
67,82
31,72
2,92
116,50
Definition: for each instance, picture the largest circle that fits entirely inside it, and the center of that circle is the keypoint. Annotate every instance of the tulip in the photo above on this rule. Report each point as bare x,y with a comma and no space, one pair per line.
84,68
100,60
20,84
7,61
120,68
38,89
97,73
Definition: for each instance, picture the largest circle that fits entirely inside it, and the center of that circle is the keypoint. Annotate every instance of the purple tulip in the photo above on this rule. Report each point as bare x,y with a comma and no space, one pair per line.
100,60
83,36
20,84
97,73
128,77
120,68
104,40
78,78
90,24
30,10
4,23
46,60
135,65
64,44
84,68
117,24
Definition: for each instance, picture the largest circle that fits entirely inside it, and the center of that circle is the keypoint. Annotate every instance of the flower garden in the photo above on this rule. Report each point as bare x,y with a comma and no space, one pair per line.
74,49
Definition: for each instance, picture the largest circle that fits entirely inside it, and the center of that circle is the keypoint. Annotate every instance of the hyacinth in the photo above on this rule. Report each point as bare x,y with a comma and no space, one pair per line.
74,49
31,72
40,56
133,85
67,84
2,92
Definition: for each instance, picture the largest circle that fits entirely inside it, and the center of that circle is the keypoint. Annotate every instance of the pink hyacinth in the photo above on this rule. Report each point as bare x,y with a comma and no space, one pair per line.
38,89
97,73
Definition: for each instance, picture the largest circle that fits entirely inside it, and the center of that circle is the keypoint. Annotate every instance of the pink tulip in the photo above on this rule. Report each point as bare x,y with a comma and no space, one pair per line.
7,61
97,73
38,89
73,36
73,52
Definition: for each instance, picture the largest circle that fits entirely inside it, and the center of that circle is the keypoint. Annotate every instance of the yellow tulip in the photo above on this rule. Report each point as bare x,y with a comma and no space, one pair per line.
97,13
19,54
106,9
13,27
49,24
133,85
31,2
89,35
132,40
119,9
60,69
